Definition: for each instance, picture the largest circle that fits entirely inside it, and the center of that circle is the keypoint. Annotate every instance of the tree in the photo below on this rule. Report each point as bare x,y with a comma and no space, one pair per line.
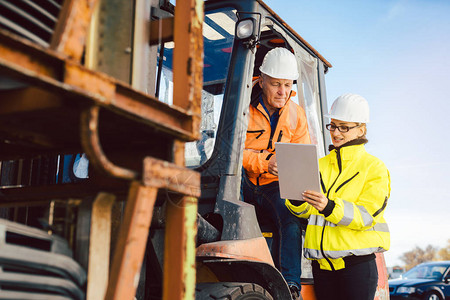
430,253
444,253
418,256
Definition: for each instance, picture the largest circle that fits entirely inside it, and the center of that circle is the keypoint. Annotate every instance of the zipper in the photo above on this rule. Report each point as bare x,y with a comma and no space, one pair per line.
269,146
256,131
338,157
382,207
323,252
271,133
345,182
280,136
322,184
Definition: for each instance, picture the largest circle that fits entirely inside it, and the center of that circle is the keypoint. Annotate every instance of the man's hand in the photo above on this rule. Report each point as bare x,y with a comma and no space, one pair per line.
273,169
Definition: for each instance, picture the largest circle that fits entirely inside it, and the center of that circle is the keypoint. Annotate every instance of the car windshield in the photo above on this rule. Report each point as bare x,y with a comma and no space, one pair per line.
425,272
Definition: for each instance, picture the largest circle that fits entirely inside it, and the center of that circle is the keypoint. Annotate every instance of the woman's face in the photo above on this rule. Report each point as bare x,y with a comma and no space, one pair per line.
339,138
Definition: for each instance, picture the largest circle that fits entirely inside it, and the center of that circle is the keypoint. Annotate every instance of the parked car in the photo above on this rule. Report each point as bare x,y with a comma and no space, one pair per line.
427,281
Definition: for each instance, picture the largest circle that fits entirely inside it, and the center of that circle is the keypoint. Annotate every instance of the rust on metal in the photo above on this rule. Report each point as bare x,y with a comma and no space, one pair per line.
98,84
251,249
181,214
188,75
72,27
382,292
34,65
163,174
28,57
91,145
57,70
131,243
179,250
153,112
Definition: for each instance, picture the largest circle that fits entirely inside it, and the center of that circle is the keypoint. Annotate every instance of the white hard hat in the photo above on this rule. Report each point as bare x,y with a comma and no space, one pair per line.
350,108
280,63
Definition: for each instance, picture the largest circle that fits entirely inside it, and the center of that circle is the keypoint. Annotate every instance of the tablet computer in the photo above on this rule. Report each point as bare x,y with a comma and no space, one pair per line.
298,169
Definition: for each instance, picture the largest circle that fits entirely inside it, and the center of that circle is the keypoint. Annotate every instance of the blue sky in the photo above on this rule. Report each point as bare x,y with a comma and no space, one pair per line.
397,55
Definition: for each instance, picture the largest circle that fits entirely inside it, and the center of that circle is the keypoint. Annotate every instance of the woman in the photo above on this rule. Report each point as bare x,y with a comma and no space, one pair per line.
346,224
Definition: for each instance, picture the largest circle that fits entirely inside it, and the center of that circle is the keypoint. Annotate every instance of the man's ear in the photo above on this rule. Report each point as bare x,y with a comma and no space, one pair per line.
260,81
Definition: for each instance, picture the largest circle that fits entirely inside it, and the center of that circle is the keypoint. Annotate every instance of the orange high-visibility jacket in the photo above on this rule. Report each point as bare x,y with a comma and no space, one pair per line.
292,127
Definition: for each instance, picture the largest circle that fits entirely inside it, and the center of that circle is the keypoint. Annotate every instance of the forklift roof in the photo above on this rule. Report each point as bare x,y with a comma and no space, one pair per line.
281,21
277,17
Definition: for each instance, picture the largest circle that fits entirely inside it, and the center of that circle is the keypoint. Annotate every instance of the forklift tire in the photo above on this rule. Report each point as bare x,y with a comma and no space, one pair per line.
231,291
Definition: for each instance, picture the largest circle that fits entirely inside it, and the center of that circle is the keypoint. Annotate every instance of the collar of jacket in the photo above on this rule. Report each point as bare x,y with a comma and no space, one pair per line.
349,143
350,149
255,102
259,107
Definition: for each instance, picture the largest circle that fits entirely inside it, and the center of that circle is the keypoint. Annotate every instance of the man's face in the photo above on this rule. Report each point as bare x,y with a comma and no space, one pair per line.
275,91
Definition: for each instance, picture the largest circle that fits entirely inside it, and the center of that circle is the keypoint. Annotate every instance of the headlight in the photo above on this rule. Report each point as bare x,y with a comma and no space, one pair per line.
244,29
406,290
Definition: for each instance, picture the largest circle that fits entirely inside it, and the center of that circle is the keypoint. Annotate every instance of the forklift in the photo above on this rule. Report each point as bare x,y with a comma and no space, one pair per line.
159,94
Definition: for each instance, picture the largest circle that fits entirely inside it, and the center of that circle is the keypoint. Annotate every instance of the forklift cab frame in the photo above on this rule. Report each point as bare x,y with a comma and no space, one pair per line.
237,35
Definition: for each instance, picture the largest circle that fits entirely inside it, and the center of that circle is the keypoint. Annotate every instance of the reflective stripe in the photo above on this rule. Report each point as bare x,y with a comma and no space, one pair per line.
330,224
348,214
319,220
317,254
358,252
313,253
297,213
367,218
316,220
381,227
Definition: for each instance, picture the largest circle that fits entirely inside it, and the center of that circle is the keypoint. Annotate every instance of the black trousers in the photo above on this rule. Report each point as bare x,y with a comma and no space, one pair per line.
355,282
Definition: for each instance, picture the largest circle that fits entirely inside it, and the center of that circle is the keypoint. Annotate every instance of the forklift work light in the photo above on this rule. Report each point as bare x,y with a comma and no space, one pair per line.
244,28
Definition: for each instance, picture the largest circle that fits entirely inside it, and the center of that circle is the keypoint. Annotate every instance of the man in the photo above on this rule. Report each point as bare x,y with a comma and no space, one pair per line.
274,117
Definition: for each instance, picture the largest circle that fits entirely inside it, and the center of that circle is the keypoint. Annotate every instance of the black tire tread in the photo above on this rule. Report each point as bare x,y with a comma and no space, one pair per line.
427,295
230,291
